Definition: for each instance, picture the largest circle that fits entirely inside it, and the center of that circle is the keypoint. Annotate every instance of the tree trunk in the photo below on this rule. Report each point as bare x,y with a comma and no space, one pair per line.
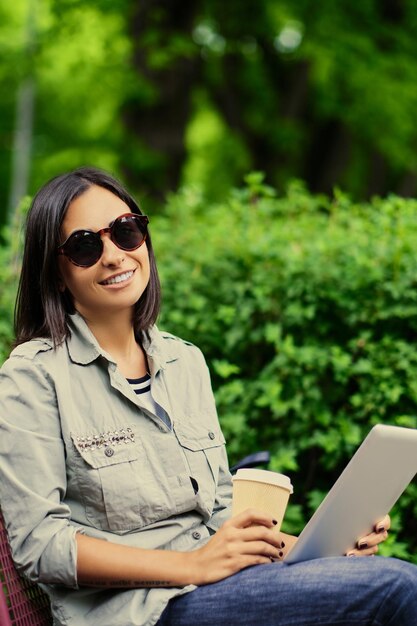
159,122
22,140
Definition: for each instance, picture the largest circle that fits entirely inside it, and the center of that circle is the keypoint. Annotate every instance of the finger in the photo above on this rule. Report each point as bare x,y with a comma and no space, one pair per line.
250,517
260,533
373,539
250,560
261,548
380,528
371,551
384,524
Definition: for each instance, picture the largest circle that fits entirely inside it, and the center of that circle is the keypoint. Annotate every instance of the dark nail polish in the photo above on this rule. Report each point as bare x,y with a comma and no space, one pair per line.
362,545
280,554
282,544
380,529
274,521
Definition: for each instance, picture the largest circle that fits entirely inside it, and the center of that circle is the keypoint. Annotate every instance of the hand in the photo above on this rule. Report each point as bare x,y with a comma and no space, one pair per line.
368,545
244,540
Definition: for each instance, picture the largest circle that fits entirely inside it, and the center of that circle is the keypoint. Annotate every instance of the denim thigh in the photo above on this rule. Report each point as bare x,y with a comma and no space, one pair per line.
327,592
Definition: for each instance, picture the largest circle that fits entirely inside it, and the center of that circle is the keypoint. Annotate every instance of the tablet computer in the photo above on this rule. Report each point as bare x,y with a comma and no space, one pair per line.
365,492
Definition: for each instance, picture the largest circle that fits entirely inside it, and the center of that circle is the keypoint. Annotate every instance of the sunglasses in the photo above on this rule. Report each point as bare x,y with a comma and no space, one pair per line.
85,247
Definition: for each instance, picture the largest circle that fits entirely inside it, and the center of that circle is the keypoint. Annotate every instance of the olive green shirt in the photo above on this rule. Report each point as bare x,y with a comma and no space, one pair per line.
78,453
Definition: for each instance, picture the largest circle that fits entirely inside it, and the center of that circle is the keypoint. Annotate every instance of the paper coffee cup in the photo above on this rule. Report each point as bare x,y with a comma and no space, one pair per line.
263,490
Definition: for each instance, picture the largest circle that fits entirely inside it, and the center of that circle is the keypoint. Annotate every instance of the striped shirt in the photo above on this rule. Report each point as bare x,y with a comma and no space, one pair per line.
142,386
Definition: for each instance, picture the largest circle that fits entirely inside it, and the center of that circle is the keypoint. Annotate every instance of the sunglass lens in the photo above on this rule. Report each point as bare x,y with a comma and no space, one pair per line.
128,232
84,248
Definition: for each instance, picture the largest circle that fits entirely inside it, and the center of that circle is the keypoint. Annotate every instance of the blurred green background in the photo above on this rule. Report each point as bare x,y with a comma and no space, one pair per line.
273,144
172,92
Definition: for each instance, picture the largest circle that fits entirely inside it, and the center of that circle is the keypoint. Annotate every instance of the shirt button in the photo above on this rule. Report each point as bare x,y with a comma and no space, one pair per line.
196,535
212,435
109,452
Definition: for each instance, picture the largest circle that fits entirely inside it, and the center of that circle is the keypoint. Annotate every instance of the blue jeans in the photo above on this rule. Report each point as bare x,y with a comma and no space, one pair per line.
339,591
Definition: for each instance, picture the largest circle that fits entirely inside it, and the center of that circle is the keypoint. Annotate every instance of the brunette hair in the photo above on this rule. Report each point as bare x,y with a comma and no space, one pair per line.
42,309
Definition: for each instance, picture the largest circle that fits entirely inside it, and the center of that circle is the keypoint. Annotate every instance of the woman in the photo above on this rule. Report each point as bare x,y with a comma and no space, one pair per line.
114,479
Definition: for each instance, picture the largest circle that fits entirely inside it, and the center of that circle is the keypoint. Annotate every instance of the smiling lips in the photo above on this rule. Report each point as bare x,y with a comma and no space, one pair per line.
120,278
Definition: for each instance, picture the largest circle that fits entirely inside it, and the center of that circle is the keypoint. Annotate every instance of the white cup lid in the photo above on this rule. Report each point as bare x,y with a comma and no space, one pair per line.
264,476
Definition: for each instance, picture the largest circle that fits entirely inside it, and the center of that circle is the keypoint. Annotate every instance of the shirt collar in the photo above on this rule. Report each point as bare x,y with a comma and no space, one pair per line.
158,351
83,347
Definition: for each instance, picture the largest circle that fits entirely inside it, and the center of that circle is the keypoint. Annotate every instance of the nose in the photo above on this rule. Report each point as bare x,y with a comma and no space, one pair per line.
112,255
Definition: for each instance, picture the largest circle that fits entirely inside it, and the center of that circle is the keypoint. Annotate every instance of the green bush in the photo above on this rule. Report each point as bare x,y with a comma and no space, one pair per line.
10,262
306,309
7,294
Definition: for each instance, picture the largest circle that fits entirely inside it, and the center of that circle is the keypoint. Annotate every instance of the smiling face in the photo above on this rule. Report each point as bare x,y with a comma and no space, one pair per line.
119,278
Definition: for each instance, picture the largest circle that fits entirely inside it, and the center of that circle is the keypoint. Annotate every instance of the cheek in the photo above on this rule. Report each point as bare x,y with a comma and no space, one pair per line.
143,258
72,278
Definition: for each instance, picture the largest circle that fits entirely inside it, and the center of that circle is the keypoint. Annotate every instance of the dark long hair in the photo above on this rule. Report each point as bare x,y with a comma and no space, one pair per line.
41,307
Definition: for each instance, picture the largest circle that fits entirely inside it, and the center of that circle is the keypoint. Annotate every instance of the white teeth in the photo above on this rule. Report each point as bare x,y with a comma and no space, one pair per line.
117,279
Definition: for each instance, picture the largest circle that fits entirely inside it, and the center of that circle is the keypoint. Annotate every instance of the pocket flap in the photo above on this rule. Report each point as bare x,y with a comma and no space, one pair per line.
108,448
194,436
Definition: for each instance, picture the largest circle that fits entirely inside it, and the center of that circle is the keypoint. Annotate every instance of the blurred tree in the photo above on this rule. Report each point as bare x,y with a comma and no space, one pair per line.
322,91
165,92
11,62
157,112
81,69
23,131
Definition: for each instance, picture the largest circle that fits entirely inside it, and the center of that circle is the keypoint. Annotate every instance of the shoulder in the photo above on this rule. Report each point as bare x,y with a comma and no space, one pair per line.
28,356
170,337
31,349
171,347
172,344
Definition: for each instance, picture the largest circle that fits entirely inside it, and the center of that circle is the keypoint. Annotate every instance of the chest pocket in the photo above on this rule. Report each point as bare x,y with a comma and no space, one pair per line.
203,449
106,467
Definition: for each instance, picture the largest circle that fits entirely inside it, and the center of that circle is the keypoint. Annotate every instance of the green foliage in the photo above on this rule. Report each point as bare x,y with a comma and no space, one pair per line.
217,156
7,297
306,309
78,59
202,91
10,261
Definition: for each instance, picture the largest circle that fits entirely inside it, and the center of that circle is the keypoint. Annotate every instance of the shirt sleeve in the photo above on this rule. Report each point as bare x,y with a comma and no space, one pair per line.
223,505
33,475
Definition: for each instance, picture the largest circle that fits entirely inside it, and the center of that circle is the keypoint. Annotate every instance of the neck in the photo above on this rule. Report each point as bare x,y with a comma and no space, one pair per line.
115,334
